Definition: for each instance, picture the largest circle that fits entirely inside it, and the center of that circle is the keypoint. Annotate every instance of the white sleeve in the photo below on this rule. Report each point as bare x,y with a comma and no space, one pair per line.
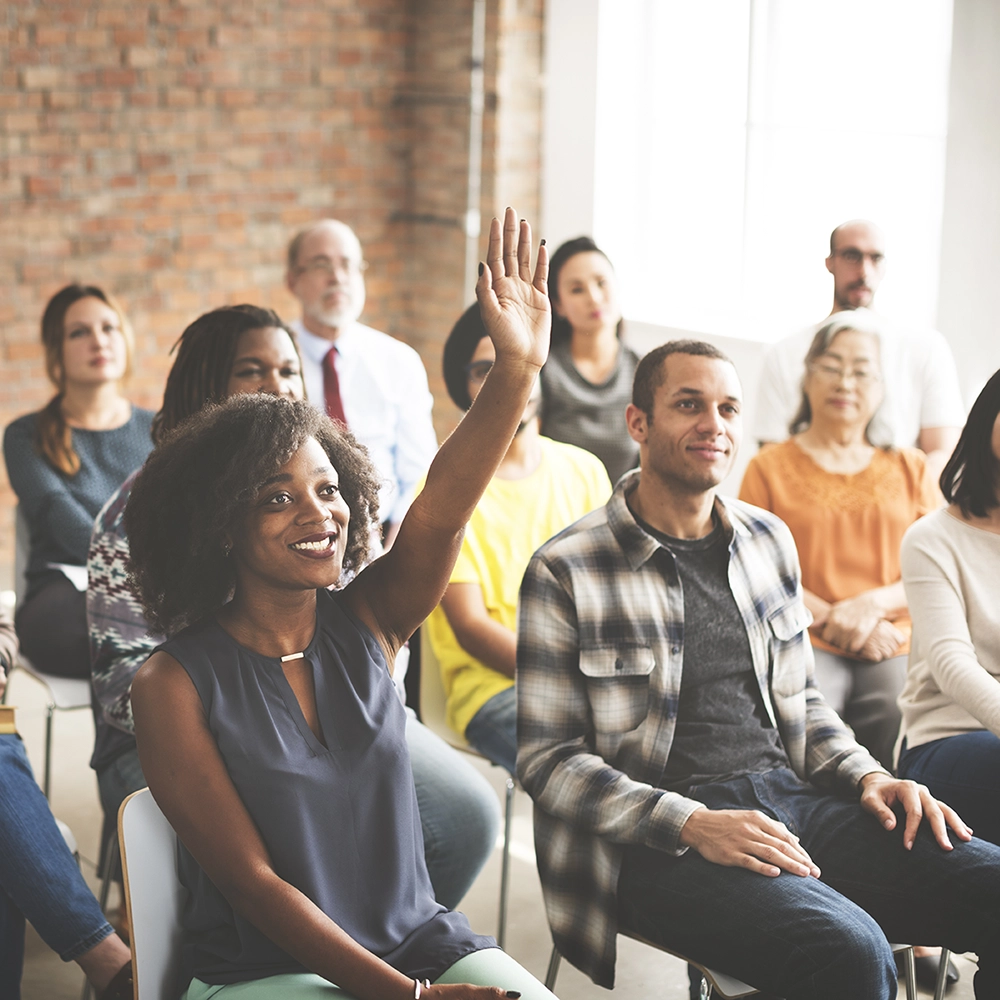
777,397
937,609
940,397
416,442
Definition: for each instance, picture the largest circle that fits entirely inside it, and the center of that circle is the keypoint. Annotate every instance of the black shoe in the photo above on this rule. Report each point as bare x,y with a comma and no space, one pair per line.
120,988
927,972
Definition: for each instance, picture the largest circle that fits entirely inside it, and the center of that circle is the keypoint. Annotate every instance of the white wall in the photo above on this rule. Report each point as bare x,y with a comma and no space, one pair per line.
570,120
970,240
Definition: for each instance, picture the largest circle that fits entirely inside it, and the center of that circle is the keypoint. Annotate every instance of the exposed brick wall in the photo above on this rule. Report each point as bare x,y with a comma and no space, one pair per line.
166,151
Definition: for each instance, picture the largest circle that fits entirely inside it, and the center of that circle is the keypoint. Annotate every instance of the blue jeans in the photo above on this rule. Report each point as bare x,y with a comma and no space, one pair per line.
819,938
39,880
493,730
963,771
459,811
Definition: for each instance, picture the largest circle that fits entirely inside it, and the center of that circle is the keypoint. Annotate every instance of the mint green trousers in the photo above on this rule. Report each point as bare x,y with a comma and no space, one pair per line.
490,967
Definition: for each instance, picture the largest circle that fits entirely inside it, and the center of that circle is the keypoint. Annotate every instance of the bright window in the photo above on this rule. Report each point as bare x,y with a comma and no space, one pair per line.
732,135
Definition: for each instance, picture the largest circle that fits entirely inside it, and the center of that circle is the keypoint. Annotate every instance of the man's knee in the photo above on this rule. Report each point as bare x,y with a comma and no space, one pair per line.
852,959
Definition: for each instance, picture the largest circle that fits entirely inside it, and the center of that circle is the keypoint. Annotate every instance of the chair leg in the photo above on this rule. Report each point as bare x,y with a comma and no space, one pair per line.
109,856
550,976
47,767
505,865
942,976
910,972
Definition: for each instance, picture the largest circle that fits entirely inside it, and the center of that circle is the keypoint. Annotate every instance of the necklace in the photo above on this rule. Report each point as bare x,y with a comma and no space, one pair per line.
293,656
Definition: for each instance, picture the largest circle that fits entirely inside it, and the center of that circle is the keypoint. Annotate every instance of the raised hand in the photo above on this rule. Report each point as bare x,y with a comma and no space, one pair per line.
514,303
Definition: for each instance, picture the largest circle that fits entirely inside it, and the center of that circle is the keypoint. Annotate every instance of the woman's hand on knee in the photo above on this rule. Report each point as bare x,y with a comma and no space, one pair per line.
467,991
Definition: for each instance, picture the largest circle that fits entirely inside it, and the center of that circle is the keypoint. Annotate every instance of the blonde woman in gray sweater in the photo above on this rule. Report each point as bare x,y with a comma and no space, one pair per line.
950,734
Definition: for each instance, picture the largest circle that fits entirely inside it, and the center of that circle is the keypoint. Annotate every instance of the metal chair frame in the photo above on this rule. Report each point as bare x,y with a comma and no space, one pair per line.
715,983
432,703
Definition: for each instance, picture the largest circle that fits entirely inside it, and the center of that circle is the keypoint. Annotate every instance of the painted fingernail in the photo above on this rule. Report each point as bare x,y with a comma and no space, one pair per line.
542,243
513,994
480,269
522,221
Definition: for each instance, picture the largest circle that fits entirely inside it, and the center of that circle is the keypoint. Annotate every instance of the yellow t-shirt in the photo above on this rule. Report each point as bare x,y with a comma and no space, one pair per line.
513,518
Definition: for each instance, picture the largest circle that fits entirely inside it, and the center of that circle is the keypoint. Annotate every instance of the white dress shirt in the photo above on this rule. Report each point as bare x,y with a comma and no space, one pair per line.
921,385
387,403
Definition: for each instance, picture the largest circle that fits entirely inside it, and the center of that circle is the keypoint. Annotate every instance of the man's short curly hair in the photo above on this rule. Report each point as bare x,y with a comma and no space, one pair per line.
199,484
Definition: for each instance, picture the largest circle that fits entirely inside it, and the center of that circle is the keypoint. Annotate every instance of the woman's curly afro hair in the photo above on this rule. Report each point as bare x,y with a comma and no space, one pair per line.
198,485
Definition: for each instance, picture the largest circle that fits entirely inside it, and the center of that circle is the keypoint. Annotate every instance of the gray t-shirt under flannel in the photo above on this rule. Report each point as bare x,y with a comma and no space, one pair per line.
722,728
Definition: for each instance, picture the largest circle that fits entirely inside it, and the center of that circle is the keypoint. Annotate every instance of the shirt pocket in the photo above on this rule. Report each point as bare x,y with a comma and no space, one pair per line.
787,633
618,686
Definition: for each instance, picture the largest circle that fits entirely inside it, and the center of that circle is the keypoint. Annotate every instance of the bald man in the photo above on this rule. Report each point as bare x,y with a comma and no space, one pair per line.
374,383
923,407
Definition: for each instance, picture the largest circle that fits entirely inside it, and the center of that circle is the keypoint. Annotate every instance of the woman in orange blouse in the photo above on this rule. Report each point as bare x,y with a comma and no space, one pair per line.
847,502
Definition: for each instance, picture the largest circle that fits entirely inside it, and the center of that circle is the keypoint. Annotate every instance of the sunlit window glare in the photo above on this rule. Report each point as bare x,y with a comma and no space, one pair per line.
733,135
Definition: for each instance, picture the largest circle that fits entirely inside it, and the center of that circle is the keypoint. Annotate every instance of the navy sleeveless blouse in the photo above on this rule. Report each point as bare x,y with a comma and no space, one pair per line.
340,822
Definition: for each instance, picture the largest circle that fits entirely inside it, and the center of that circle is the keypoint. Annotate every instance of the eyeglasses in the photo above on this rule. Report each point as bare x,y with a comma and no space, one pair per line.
831,373
477,371
328,267
854,256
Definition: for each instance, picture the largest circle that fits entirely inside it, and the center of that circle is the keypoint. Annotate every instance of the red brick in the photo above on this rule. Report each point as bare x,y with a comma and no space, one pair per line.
37,187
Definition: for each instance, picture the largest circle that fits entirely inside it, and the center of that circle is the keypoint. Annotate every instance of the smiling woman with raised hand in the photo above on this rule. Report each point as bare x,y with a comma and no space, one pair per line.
268,726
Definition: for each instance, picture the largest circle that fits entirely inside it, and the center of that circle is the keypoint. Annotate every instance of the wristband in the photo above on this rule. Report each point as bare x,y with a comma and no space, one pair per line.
419,987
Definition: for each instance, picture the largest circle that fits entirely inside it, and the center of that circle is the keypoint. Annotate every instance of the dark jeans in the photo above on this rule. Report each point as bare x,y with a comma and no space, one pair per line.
963,771
797,937
493,730
52,629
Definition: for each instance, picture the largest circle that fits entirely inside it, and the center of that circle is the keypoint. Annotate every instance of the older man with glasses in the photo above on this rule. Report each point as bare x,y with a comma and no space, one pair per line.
368,380
923,403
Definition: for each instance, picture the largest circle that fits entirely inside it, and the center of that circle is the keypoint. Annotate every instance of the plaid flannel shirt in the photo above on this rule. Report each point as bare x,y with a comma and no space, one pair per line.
599,660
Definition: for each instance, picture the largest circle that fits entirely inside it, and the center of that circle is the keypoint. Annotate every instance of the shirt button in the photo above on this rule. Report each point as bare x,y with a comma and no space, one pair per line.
619,664
675,649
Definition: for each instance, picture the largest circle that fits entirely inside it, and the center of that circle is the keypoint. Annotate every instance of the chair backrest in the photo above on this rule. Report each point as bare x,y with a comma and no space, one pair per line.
22,552
153,895
433,699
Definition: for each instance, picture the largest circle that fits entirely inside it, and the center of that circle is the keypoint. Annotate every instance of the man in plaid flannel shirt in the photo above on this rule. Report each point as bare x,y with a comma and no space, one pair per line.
714,803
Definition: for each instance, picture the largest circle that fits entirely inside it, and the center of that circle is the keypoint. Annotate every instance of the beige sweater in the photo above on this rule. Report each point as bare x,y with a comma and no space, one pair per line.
951,572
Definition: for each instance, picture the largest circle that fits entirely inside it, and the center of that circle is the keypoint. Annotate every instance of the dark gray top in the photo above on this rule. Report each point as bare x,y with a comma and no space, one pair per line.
60,509
590,416
722,727
340,821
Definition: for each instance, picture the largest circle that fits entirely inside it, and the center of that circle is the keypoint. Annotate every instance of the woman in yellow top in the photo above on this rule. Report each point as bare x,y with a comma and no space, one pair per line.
847,502
540,487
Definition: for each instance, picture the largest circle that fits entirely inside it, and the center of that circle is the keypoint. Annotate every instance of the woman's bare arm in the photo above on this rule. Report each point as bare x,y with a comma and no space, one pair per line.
477,633
397,592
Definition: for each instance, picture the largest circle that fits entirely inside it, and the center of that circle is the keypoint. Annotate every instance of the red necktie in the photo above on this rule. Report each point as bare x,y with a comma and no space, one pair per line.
331,387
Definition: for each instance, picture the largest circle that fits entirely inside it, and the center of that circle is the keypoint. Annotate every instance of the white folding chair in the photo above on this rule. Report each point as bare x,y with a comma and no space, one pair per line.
153,896
65,694
432,713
